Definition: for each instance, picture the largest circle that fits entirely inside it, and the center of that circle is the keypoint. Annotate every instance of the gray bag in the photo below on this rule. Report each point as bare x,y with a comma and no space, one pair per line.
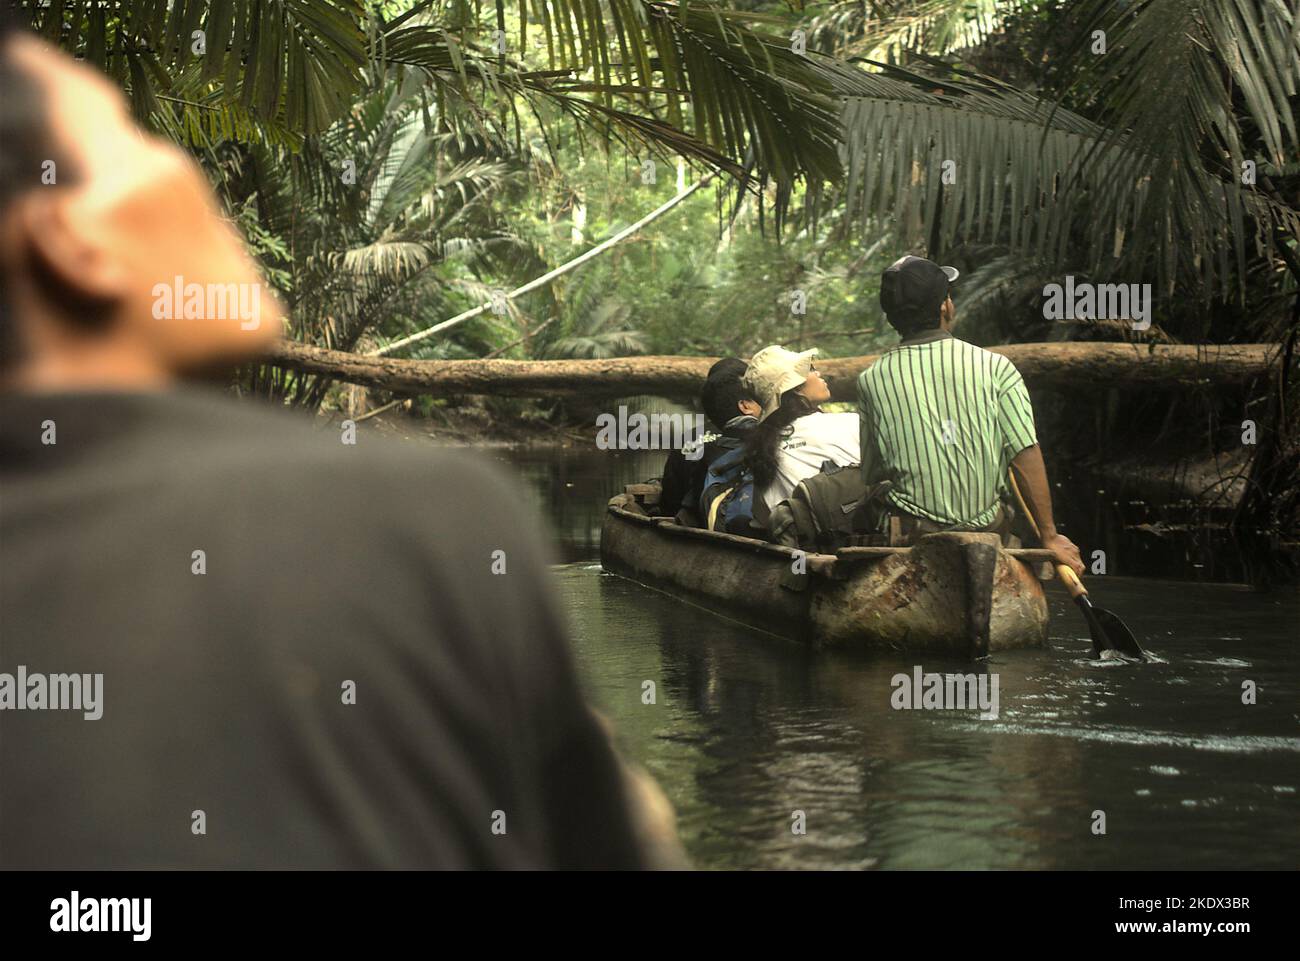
830,510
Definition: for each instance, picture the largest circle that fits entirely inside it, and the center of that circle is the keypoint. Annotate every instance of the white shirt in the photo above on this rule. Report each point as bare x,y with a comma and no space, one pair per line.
816,438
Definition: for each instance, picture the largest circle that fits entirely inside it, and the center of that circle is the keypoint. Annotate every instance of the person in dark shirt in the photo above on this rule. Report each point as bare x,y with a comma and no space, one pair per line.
732,409
228,640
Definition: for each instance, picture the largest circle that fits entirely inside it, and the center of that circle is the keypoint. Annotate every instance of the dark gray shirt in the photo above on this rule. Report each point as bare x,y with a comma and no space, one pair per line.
329,567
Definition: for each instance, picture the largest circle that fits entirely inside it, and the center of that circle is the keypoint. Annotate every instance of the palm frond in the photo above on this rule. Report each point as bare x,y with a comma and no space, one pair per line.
1164,78
890,30
388,258
292,62
1040,178
709,83
612,343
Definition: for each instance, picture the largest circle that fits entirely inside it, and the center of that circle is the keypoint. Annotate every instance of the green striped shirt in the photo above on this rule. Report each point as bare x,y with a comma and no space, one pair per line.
943,419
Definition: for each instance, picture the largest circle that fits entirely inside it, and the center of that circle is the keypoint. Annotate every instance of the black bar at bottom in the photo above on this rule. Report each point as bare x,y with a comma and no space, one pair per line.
331,911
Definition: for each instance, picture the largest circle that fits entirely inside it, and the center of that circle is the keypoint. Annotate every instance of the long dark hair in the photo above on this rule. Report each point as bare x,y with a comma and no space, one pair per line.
764,441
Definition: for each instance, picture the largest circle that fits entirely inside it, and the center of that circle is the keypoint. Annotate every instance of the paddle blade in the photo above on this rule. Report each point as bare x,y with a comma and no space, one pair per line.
1108,632
1118,635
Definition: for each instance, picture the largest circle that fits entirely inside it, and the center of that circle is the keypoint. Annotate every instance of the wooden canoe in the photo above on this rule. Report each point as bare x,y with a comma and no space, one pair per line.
955,593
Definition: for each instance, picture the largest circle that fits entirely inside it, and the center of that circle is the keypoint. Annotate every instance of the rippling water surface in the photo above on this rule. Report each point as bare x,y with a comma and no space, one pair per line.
747,729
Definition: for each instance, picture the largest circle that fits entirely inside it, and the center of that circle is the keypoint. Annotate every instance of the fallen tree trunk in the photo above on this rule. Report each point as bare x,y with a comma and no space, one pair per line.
1065,366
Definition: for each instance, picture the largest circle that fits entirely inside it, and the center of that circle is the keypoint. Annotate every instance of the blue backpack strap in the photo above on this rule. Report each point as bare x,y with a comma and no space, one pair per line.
728,500
720,475
726,468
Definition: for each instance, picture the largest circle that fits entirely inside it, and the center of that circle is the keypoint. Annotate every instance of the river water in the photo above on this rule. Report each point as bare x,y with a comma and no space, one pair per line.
746,730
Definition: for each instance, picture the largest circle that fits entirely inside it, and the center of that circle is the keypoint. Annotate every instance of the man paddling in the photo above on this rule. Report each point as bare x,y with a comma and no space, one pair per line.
942,419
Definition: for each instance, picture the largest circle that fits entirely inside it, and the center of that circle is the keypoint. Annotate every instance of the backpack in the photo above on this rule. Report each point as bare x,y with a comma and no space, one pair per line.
832,509
728,501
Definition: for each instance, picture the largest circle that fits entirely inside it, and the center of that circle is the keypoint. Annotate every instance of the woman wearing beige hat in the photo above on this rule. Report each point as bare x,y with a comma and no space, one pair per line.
794,438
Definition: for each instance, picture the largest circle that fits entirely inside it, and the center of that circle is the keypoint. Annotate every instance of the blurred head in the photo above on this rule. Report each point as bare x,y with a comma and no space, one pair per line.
102,226
914,293
774,371
724,395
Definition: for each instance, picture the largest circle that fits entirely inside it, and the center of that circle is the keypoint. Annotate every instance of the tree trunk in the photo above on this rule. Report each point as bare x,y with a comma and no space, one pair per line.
1060,366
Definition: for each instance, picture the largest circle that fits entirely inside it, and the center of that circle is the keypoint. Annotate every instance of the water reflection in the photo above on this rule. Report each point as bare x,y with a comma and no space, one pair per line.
747,730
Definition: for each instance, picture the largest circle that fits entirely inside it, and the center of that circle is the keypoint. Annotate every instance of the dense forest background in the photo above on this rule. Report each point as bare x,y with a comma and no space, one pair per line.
396,164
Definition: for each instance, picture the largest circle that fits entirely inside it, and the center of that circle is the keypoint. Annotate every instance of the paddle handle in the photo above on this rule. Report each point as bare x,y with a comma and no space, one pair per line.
1066,574
1071,581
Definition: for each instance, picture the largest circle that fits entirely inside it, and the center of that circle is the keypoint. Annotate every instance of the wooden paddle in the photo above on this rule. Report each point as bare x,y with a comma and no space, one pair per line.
1108,632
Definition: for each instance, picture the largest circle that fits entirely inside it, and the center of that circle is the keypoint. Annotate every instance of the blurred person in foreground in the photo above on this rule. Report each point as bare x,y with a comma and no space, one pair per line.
228,640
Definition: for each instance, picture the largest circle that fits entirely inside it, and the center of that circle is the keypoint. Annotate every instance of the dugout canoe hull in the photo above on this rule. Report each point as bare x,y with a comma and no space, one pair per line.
954,593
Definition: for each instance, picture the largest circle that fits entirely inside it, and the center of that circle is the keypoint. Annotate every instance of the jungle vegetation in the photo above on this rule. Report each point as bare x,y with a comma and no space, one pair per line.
395,163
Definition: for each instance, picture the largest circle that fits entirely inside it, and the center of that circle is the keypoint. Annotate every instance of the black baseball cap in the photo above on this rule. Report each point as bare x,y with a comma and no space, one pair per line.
915,287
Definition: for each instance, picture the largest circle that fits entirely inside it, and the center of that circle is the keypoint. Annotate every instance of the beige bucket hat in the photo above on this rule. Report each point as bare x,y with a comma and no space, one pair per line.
773,371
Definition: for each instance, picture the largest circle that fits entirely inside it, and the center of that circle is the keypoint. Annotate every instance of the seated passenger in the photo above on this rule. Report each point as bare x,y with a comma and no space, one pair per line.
732,409
794,439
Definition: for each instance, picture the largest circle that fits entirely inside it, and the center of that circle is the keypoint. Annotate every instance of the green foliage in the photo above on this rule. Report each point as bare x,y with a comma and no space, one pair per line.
1141,180
892,29
688,284
472,160
699,80
254,67
375,228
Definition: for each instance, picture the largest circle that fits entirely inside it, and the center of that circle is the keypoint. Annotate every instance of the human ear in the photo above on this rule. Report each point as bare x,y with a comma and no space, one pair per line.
63,247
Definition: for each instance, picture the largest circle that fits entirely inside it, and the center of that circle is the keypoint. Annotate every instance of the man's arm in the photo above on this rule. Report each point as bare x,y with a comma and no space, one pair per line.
1019,435
1031,478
